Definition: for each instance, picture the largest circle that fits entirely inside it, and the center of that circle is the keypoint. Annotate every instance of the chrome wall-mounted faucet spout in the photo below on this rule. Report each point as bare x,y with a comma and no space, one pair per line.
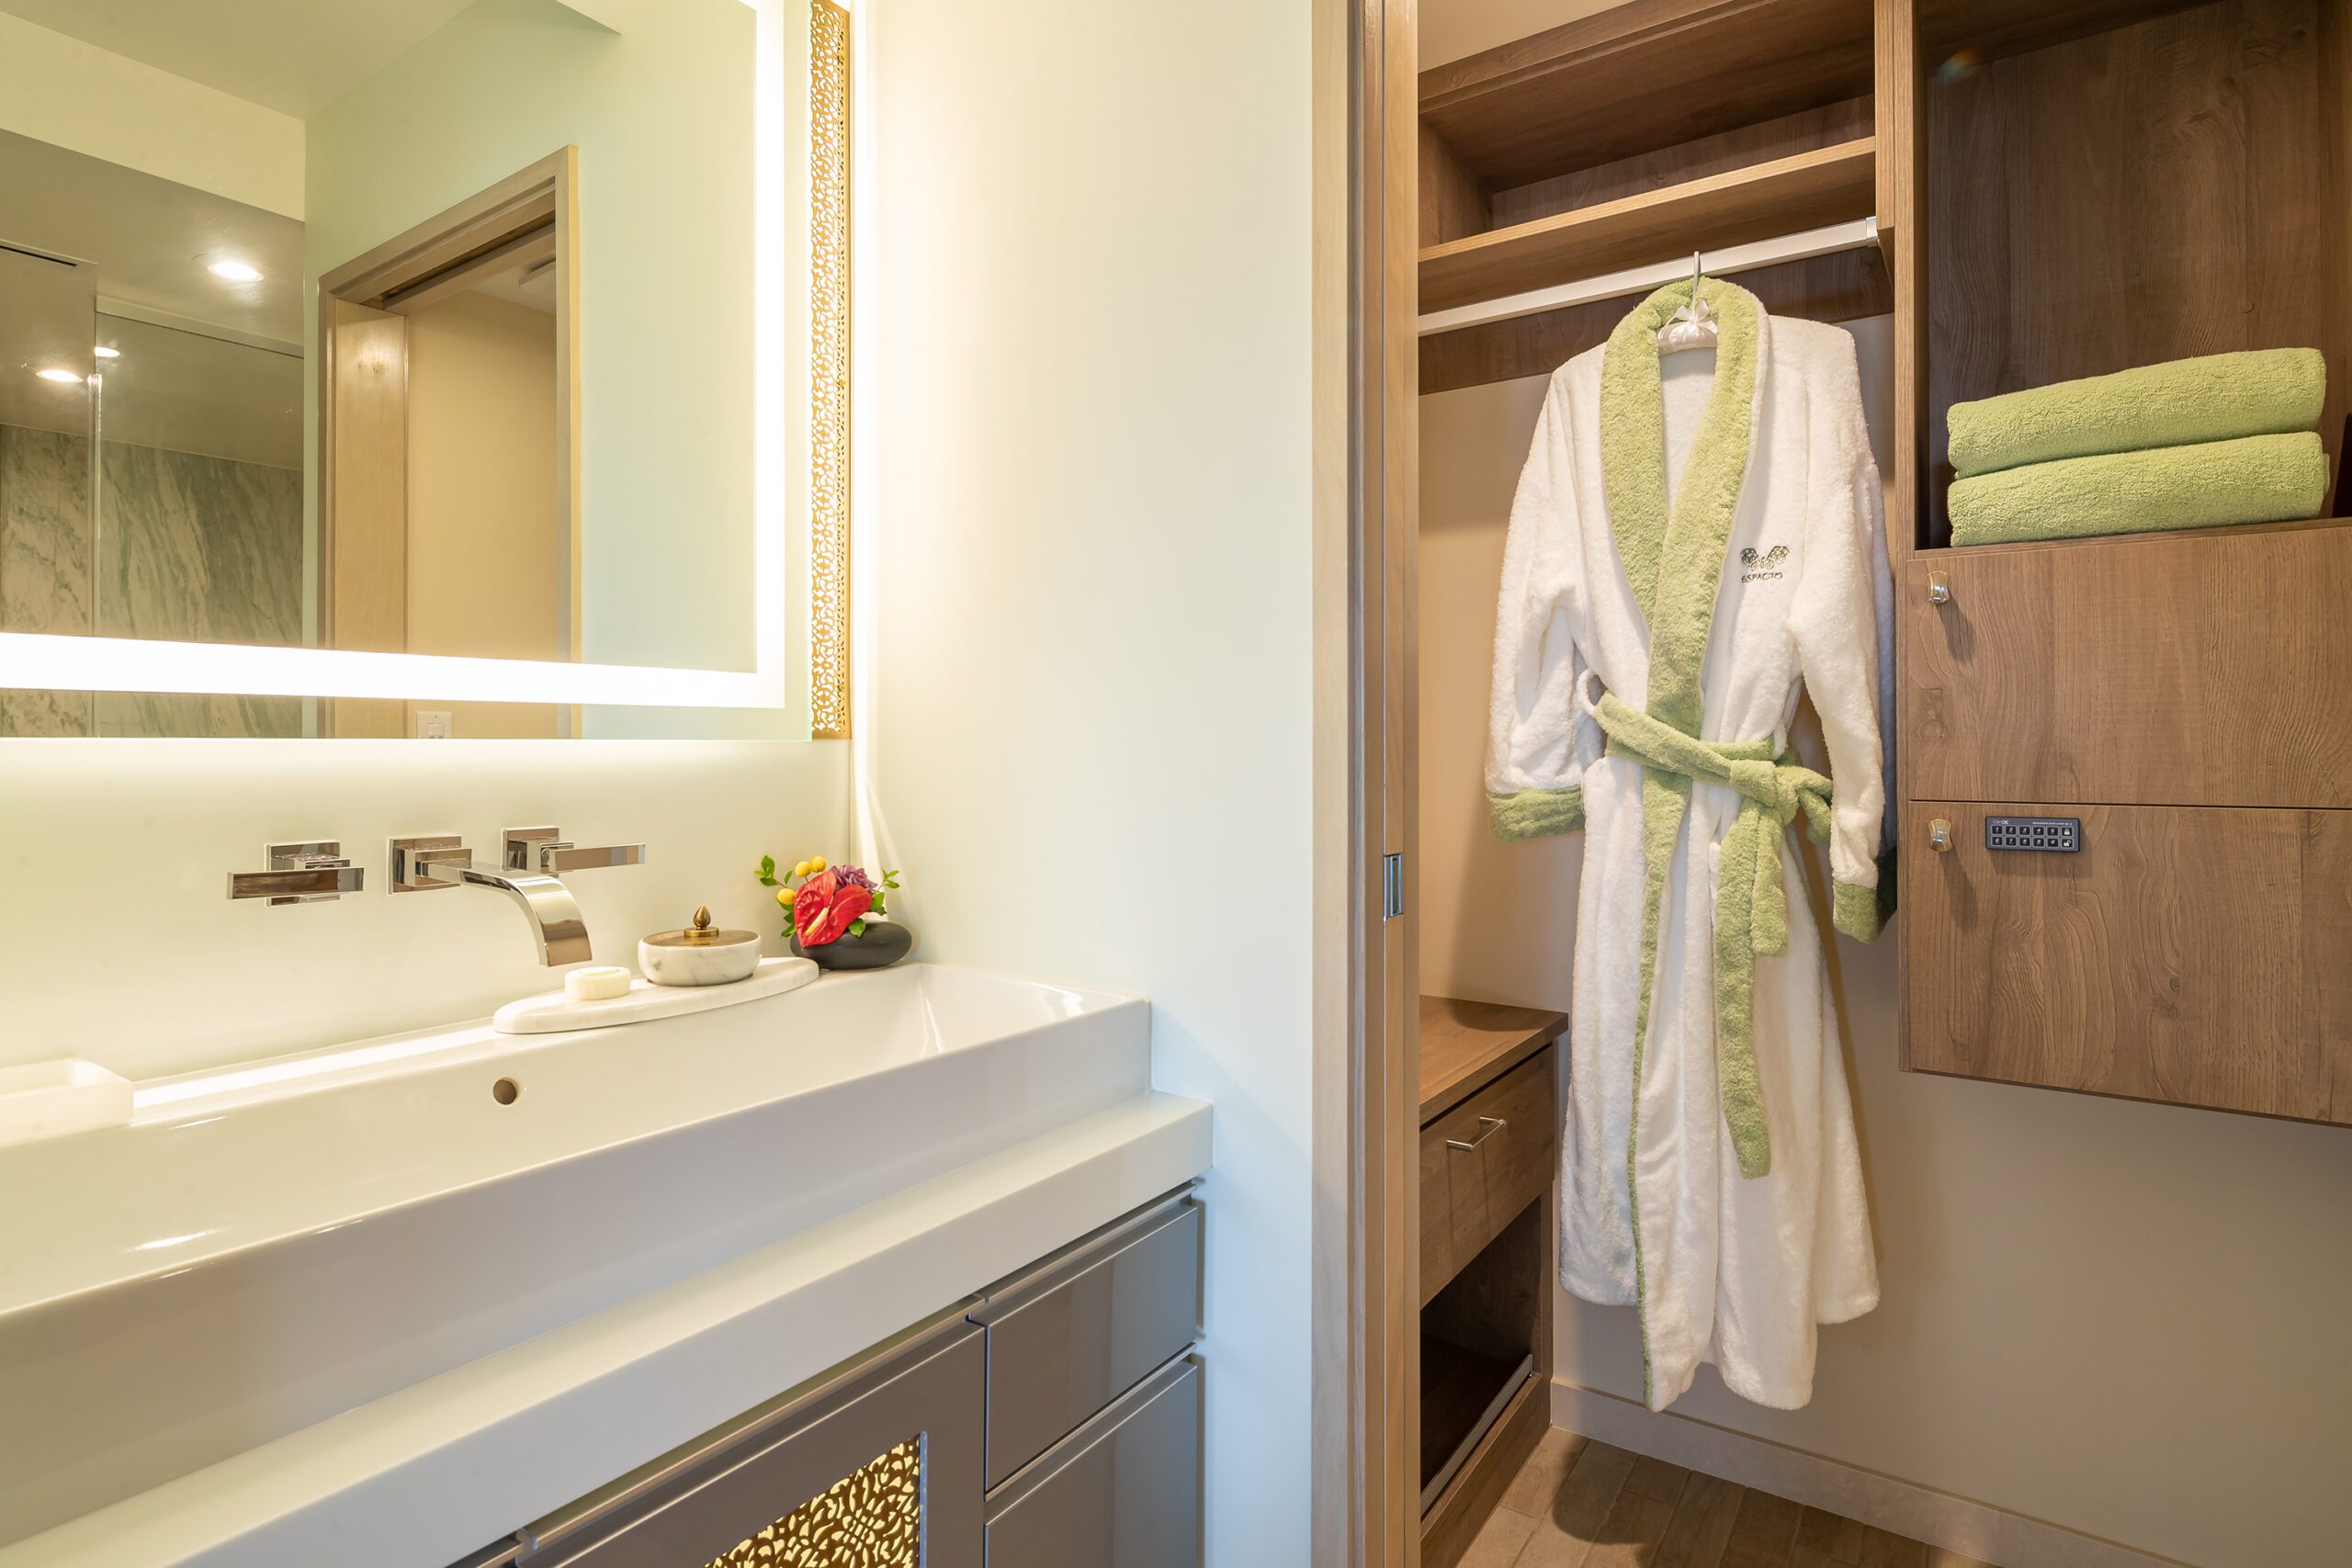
422,865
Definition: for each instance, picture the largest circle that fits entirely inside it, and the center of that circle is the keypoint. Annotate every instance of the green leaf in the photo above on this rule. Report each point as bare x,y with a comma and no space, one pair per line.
857,928
767,867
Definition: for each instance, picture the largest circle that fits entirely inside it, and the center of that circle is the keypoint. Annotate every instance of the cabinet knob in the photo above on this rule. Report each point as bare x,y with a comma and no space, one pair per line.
1938,588
1939,835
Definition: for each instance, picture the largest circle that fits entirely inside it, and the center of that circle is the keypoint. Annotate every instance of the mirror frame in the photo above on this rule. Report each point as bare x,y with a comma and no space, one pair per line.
39,660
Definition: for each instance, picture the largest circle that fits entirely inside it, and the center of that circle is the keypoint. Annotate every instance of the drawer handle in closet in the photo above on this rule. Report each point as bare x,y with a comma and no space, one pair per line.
1938,588
1487,1127
1939,835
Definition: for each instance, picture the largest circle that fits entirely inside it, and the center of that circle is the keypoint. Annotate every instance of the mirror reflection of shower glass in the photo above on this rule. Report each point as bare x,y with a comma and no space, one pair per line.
348,392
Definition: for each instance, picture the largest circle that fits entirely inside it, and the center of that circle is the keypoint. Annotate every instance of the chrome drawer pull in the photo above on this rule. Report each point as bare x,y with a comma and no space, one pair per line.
1487,1127
1938,588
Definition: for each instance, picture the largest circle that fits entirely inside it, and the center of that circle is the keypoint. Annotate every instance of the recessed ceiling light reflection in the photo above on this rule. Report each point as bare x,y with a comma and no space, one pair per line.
103,352
236,271
61,376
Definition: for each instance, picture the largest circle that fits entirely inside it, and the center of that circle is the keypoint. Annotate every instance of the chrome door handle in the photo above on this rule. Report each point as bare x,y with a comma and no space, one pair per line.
1938,588
1487,1127
313,873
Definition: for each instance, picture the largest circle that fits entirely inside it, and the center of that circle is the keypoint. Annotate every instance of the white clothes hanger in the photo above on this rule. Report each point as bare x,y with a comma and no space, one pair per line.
1693,325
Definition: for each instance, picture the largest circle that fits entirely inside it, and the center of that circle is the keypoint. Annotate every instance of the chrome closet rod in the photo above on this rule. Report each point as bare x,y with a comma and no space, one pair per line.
1854,236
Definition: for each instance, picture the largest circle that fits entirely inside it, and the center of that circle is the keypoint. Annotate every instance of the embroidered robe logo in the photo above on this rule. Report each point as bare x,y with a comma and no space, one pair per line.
1761,564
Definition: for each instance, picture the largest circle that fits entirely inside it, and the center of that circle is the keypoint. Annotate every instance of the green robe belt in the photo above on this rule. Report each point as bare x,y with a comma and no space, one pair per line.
1751,901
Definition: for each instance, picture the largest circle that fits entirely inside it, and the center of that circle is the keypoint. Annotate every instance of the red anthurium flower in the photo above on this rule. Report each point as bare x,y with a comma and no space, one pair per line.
825,906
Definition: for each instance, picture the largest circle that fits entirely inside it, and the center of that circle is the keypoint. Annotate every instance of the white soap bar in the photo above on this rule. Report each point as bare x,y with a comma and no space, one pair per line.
598,983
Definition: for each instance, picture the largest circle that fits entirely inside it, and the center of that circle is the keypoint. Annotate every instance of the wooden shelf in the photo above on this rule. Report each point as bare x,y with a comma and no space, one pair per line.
1642,75
1785,195
1466,1044
1996,28
1460,1387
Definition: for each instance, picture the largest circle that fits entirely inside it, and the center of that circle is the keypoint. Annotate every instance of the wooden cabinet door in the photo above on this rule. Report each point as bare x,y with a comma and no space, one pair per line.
2195,956
2208,668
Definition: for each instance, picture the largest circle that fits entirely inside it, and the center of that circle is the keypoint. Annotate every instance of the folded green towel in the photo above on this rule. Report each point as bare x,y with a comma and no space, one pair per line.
2259,479
2220,396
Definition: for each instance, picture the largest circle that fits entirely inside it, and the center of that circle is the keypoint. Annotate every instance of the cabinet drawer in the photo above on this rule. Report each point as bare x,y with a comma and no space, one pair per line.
1069,1336
1122,1492
1482,1162
2195,956
2195,670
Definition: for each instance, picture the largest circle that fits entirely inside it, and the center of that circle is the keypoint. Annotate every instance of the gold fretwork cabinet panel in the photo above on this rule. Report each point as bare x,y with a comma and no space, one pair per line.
879,1468
870,1519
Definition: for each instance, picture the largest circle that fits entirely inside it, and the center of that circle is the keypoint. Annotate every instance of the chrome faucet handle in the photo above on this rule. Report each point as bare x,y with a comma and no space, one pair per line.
316,871
547,851
411,857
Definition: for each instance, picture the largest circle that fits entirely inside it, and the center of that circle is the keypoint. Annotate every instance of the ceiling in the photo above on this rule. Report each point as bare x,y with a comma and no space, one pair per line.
150,241
294,56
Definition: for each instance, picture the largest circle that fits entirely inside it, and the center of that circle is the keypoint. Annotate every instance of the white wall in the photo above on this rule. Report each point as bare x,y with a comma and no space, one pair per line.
1091,274
2126,1319
117,942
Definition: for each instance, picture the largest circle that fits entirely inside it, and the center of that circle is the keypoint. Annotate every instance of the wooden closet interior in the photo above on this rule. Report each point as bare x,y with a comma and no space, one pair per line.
2033,190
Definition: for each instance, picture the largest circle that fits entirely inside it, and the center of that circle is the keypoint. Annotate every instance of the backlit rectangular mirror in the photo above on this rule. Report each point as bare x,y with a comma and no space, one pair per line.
392,367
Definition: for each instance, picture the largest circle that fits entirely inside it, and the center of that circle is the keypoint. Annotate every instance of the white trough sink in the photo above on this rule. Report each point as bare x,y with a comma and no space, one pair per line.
263,1249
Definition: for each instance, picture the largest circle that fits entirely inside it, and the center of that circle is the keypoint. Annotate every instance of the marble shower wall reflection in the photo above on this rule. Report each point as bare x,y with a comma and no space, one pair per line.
184,546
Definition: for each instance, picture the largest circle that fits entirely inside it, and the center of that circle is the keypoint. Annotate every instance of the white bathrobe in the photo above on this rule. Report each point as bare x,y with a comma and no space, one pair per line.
1772,560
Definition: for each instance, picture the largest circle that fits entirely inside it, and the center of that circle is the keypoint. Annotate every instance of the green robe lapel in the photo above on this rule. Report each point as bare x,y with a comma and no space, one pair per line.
1674,560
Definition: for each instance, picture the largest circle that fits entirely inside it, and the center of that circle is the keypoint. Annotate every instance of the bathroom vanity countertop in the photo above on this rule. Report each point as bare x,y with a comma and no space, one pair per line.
389,1302
435,1472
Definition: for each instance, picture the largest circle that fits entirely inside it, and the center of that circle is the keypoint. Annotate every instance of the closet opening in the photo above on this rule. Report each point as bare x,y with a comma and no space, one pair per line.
1984,198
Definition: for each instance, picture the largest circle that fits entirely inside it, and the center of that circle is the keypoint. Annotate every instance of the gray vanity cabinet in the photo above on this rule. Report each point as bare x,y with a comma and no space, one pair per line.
1121,1491
1052,1422
879,1468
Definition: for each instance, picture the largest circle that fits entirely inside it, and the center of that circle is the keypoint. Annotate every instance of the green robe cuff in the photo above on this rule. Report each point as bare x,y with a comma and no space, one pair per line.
1536,813
1856,912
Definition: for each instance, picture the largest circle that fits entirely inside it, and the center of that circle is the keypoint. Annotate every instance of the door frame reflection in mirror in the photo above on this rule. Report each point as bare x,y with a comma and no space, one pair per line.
37,661
531,217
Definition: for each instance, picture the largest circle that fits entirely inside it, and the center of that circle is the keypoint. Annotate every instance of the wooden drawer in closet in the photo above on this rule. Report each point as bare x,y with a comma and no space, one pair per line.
1482,1162
2206,669
2198,956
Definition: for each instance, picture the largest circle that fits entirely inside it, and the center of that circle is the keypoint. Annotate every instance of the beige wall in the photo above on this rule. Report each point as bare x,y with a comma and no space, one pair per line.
1091,436
486,552
61,90
2130,1320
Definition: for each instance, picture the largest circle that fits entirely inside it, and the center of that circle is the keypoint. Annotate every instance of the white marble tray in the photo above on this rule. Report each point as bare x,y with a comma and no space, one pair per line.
553,1011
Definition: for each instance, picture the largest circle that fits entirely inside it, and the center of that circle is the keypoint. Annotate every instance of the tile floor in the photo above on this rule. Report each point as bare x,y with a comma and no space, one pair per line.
1584,1504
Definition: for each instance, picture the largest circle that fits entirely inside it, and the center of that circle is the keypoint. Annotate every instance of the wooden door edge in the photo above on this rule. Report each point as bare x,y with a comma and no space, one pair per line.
1367,1513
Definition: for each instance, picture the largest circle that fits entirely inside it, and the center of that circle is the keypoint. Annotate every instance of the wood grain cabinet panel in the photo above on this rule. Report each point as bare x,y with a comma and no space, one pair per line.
1440,1262
2212,668
1469,1193
2200,957
1519,1155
